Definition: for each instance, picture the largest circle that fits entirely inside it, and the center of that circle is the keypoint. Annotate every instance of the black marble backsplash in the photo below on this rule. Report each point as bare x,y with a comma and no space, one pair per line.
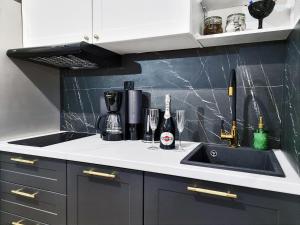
197,81
291,107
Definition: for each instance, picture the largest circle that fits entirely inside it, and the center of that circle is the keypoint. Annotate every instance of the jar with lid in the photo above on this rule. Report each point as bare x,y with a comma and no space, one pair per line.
236,22
213,25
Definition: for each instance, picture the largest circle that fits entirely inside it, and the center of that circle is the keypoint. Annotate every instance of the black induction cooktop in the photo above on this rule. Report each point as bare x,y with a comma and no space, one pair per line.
51,139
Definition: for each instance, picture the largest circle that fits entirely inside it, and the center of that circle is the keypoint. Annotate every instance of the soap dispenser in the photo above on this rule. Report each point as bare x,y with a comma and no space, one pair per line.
260,136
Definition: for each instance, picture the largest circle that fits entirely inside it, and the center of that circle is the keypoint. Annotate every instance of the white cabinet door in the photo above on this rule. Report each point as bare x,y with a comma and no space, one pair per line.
121,20
51,22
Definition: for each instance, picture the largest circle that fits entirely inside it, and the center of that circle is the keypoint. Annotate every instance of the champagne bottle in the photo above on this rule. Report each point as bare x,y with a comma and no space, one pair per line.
167,131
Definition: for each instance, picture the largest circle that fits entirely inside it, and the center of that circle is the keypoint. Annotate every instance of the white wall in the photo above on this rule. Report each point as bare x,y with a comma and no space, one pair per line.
29,93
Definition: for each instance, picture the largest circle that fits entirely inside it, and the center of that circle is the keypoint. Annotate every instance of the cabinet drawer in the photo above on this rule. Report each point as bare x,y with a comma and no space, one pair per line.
99,195
43,173
11,219
36,204
196,202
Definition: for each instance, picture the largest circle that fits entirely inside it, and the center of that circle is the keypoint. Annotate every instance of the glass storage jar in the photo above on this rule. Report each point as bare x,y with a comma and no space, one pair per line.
213,25
236,22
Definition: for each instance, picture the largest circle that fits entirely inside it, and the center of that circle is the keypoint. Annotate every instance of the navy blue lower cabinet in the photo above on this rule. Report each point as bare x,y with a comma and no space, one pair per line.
100,195
179,201
39,172
11,219
32,190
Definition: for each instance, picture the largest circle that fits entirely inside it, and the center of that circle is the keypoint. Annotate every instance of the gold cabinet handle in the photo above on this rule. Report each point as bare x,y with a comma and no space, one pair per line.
18,223
99,174
212,192
25,161
20,192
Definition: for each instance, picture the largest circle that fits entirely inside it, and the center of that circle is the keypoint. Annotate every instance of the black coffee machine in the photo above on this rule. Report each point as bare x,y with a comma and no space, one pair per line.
110,124
121,114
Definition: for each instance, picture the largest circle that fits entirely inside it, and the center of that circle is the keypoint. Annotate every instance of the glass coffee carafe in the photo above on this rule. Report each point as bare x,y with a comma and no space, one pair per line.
113,123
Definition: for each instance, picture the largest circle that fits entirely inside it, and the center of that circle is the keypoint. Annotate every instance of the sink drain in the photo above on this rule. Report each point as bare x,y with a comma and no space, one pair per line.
214,153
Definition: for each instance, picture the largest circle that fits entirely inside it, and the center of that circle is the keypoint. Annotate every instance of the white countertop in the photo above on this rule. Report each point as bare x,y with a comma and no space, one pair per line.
135,155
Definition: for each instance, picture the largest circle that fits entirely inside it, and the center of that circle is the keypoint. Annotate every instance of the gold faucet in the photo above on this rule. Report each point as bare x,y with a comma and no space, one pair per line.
231,136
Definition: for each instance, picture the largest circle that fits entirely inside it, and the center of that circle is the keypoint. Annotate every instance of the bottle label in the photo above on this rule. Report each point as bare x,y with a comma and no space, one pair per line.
167,138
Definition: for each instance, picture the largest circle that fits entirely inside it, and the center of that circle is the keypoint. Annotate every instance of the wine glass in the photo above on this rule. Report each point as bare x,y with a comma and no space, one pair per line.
153,117
180,119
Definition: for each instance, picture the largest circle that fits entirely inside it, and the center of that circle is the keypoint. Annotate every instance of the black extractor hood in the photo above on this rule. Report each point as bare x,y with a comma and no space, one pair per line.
74,56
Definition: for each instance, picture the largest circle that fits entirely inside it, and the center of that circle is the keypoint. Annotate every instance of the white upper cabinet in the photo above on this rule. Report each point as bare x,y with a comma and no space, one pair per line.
52,22
128,26
120,20
135,26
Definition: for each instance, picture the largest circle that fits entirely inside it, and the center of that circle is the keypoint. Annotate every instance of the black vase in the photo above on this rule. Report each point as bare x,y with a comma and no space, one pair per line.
261,9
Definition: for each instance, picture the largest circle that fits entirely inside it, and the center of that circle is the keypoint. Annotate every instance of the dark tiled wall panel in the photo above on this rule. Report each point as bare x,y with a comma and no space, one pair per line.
291,109
197,80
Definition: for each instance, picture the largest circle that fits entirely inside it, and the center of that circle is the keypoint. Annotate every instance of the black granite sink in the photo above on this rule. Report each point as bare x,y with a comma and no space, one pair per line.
238,159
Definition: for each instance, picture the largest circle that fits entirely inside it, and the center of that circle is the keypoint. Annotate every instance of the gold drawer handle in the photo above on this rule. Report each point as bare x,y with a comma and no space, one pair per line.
18,223
25,161
212,192
20,192
99,174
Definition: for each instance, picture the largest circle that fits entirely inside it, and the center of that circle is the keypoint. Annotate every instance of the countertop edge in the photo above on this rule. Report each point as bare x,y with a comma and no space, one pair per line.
288,185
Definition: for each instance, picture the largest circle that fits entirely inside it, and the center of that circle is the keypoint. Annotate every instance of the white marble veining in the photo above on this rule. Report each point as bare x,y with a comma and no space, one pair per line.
135,155
291,118
197,80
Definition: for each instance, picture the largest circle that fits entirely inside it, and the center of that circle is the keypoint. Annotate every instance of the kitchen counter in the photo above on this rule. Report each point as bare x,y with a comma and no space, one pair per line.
135,155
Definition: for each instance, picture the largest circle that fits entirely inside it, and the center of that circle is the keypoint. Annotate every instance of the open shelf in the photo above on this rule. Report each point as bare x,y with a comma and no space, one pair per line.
248,36
277,26
223,4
